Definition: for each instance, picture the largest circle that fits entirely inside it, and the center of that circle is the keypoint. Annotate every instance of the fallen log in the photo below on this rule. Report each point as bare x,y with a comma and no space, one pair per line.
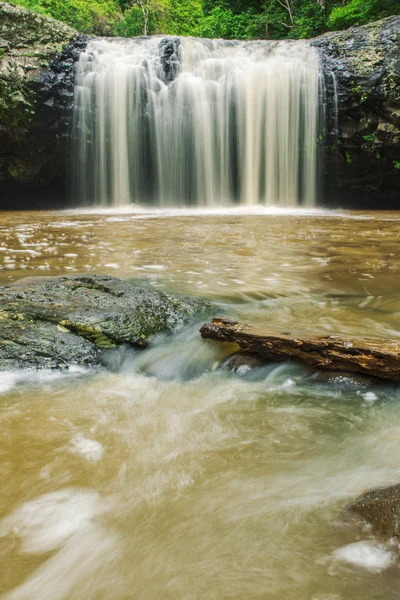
374,357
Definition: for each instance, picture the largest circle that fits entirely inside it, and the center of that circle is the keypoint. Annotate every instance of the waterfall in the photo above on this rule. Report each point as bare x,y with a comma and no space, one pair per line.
207,123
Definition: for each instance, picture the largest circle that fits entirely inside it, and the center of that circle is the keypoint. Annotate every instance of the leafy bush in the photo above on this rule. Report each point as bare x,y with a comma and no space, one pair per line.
89,16
131,24
183,17
230,19
224,23
360,12
309,21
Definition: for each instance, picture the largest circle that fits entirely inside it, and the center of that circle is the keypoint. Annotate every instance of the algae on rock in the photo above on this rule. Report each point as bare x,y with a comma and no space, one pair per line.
50,322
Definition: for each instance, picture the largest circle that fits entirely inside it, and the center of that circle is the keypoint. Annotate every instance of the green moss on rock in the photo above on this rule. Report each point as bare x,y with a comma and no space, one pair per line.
28,44
62,320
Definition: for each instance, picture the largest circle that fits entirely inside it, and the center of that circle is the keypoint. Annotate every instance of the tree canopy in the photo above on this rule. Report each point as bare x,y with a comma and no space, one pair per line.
229,19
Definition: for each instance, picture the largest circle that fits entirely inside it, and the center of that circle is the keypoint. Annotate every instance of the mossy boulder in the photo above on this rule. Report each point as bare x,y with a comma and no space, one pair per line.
51,322
362,135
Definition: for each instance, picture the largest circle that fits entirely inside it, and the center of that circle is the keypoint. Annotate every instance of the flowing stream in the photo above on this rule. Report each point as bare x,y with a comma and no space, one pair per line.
168,478
219,123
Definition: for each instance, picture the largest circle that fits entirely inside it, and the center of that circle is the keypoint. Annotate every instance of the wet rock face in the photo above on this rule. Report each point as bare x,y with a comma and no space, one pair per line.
37,58
51,322
361,145
381,509
170,58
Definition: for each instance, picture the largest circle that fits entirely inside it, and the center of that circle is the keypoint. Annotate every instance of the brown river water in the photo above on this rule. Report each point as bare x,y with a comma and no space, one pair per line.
170,479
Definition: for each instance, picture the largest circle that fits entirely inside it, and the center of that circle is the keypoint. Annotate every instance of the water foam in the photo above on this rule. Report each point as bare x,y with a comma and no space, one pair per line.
367,555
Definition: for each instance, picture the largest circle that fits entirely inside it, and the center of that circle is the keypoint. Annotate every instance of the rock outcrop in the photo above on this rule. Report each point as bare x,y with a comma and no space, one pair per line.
52,322
361,144
37,57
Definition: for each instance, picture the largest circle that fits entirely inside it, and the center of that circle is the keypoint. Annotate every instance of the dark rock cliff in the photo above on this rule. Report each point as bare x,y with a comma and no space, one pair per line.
361,142
37,57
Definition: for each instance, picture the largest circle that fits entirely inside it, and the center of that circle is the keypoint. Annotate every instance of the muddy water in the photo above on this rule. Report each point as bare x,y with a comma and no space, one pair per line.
170,479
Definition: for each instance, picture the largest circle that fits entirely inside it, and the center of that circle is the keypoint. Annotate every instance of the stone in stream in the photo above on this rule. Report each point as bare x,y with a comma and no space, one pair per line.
344,379
381,509
51,322
373,357
241,363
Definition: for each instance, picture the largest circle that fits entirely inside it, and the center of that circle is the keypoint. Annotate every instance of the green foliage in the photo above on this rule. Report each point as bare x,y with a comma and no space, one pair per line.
229,19
143,17
369,141
183,17
360,12
305,19
224,23
309,21
89,16
131,24
396,164
358,90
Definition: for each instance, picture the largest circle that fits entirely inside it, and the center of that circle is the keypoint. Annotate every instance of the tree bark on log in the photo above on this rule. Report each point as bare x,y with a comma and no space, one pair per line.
375,357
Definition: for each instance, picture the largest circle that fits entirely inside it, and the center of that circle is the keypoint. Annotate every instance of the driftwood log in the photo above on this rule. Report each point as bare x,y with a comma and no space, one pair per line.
374,357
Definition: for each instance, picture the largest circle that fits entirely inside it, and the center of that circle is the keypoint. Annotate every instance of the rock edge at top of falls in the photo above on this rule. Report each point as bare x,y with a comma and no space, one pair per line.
53,322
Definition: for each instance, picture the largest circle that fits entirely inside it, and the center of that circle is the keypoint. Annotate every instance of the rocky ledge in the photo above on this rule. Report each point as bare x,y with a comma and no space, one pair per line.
37,58
53,322
360,140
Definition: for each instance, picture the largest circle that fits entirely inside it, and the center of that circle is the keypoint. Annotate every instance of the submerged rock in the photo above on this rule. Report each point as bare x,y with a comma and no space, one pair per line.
51,322
242,363
344,379
381,509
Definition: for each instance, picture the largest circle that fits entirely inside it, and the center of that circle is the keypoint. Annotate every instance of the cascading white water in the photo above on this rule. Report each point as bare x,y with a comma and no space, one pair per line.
238,123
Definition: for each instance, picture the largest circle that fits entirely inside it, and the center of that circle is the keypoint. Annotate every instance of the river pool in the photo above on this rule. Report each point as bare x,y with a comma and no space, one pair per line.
170,479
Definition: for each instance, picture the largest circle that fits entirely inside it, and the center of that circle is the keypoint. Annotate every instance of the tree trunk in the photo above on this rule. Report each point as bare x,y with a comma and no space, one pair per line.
144,5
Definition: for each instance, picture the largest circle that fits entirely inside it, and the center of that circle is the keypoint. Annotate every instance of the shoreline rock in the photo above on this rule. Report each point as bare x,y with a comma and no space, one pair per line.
52,322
